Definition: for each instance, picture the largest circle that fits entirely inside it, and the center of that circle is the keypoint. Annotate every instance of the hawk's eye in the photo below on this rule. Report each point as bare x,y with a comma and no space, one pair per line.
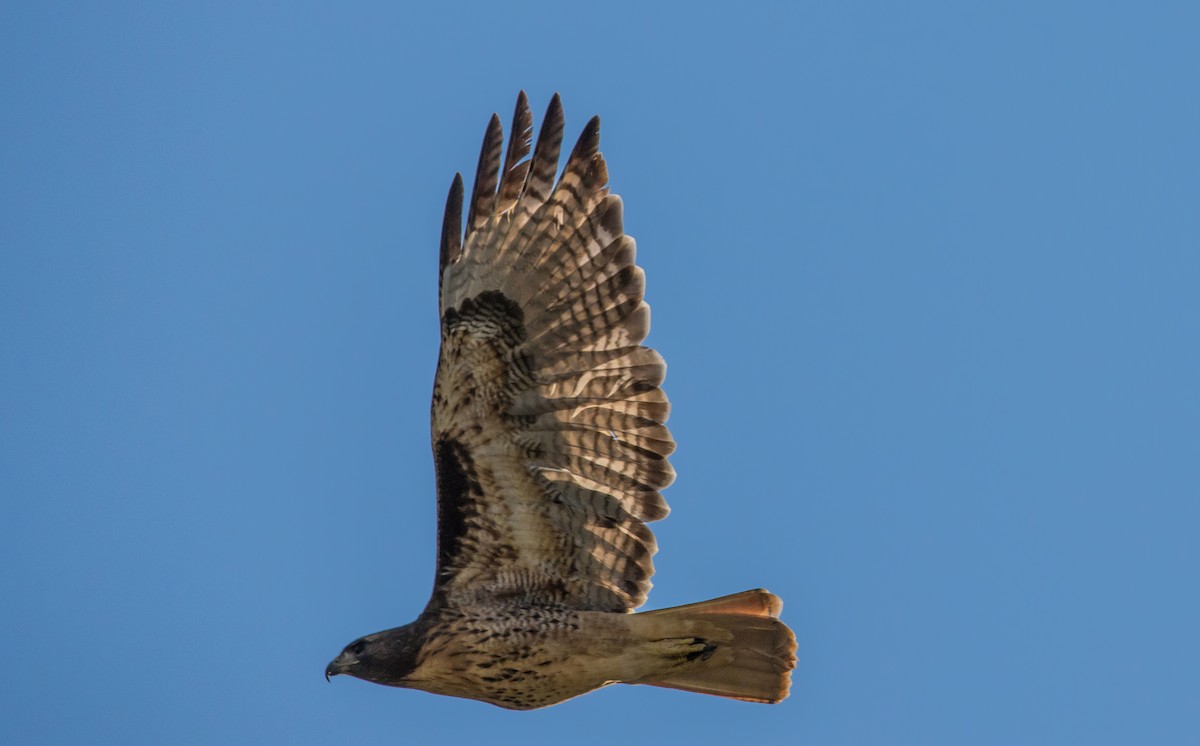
358,647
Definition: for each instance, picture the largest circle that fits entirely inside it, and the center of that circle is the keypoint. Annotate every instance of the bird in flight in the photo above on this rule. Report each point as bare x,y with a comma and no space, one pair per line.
551,450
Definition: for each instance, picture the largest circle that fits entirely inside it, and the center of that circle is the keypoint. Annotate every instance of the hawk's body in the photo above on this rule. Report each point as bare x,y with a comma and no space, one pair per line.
550,452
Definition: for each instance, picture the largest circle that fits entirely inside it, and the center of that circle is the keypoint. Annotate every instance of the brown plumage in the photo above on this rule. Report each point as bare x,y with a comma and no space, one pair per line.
550,448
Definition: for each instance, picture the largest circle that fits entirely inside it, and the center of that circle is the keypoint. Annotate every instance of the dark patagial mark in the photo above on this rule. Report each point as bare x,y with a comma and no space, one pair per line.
458,490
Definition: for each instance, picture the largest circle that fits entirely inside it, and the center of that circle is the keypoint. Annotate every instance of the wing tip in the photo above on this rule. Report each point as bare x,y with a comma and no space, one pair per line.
451,243
483,195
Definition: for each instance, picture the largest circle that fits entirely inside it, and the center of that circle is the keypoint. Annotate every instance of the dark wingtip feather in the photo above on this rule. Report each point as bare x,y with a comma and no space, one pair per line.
593,126
553,121
512,178
522,131
589,141
451,244
545,153
483,195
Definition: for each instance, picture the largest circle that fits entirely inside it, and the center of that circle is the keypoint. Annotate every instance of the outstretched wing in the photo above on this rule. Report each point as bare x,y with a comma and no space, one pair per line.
548,432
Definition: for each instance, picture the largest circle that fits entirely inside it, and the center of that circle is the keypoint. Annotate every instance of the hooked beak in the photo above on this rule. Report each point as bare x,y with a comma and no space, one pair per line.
339,665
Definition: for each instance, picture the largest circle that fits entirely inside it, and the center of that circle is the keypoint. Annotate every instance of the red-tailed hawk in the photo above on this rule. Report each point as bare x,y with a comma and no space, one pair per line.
550,449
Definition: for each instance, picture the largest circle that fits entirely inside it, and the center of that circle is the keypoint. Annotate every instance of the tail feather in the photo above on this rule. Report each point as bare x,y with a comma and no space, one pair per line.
758,602
748,653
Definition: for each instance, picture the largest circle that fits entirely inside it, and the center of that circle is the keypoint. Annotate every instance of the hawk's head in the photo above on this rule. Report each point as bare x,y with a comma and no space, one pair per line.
386,657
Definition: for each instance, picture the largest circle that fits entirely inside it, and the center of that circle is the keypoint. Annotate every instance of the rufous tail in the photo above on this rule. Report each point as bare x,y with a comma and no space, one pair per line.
747,653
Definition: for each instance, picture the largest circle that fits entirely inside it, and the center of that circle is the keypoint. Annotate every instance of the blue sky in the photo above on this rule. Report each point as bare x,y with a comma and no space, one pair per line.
925,275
